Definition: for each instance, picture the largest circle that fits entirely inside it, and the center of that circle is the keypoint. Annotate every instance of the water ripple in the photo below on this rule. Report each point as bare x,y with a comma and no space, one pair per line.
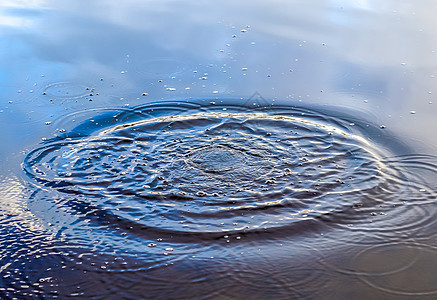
187,169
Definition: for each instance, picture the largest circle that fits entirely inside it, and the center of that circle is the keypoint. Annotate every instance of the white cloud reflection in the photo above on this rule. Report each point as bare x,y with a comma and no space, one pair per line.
20,13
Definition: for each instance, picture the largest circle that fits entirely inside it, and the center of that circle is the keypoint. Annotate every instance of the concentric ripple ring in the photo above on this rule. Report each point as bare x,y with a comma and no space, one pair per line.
187,168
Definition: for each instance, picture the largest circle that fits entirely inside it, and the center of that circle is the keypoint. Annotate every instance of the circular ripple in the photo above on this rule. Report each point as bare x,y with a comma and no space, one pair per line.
66,90
411,278
189,168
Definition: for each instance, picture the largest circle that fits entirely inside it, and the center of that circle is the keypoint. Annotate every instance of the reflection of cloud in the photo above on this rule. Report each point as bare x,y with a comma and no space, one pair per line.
16,204
358,4
362,31
23,3
20,13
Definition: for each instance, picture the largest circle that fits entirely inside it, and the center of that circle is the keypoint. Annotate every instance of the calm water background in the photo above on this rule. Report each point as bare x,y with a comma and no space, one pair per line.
361,73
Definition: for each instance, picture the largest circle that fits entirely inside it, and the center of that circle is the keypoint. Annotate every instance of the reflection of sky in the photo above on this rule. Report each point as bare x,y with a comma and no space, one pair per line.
377,58
363,54
20,13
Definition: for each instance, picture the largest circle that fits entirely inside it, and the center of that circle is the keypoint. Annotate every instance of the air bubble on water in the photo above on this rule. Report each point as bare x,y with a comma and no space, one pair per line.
382,126
403,64
243,69
48,123
171,89
144,94
151,245
61,130
413,112
215,92
169,249
201,194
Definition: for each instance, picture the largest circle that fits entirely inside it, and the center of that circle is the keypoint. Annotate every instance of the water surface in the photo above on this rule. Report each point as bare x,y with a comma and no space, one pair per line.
217,151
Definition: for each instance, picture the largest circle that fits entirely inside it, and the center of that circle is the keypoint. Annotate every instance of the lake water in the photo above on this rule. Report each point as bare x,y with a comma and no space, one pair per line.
206,150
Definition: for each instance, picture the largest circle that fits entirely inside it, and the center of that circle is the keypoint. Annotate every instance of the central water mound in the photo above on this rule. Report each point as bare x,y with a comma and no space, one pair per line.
193,168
